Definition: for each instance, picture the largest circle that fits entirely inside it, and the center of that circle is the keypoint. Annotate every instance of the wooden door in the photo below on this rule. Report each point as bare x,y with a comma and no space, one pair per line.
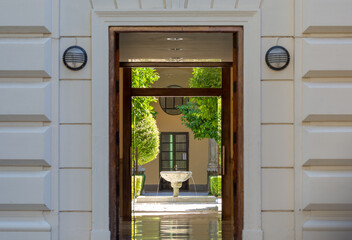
119,169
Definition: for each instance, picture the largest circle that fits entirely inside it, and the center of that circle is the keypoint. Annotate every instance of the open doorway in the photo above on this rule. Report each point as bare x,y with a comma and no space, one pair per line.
120,156
176,140
186,125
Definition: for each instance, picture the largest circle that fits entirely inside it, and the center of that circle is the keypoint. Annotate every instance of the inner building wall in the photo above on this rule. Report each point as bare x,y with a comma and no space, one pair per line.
198,152
198,149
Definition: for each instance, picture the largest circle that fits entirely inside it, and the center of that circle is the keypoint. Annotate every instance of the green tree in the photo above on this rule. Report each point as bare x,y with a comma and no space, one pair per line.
145,133
143,78
203,114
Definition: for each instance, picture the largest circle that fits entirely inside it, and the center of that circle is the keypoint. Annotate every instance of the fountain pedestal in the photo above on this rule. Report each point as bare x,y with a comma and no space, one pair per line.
176,187
176,178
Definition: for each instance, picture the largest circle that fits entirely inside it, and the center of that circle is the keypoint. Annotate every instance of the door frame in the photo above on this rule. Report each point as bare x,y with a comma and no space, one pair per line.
250,21
120,171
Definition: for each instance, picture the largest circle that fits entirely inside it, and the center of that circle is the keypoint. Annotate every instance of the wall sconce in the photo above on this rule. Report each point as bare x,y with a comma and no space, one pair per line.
277,58
75,58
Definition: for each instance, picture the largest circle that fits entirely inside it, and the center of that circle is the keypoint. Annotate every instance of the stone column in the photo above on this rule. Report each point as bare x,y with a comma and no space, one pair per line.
212,156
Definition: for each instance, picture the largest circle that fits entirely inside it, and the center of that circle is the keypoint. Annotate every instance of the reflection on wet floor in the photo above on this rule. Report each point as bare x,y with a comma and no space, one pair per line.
177,226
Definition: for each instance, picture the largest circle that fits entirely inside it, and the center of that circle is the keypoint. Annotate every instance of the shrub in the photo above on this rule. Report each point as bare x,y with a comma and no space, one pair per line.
215,186
146,140
139,185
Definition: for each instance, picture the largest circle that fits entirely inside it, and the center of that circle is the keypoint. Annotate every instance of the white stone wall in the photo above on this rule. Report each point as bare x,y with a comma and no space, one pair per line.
45,121
29,114
75,125
323,119
278,128
306,119
46,132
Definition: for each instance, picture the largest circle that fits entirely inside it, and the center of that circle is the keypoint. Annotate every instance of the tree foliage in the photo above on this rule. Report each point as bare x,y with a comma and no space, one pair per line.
145,133
203,114
143,78
205,78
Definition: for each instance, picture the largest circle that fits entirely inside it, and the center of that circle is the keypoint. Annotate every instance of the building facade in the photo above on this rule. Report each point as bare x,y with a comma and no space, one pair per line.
54,121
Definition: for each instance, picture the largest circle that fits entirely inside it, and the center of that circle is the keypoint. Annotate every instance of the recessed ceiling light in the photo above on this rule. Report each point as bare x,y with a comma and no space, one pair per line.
174,39
176,59
169,75
175,49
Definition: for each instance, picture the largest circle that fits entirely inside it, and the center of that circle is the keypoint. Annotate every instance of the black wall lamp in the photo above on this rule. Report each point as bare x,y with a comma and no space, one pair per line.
277,58
75,58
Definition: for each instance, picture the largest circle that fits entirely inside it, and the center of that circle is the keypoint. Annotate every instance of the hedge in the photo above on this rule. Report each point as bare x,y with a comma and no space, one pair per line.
139,185
215,185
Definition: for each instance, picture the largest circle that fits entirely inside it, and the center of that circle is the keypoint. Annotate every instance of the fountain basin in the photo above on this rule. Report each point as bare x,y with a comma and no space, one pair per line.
176,178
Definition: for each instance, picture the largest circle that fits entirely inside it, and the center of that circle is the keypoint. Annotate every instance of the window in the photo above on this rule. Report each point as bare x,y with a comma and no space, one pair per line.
173,154
169,104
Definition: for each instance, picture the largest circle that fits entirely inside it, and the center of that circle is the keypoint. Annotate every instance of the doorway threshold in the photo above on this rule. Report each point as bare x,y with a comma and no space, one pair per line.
179,199
177,204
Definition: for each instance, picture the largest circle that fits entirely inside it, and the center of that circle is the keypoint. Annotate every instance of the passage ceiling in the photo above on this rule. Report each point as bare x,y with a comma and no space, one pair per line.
176,47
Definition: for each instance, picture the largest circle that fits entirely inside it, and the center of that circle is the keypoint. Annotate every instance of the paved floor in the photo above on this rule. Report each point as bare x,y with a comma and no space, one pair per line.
176,219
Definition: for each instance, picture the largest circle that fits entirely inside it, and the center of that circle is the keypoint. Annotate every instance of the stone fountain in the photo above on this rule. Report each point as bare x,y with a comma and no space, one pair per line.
176,178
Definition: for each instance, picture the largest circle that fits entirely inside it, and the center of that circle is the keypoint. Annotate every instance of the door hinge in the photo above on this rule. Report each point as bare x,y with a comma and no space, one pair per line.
117,138
234,87
234,189
117,86
235,138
